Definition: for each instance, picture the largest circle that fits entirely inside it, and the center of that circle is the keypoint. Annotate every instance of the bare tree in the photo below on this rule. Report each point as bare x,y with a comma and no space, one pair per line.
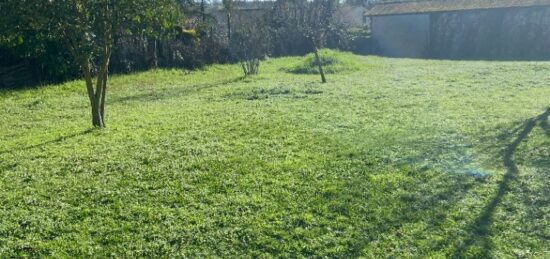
318,22
313,20
228,6
249,45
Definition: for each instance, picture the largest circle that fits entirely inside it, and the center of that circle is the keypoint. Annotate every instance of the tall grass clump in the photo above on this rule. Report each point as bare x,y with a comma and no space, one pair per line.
332,61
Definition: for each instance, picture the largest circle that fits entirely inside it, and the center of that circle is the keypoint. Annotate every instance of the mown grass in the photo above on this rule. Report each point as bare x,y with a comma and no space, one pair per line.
400,158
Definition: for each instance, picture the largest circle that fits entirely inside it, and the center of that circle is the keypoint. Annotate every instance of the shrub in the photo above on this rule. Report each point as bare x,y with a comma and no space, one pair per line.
249,44
332,61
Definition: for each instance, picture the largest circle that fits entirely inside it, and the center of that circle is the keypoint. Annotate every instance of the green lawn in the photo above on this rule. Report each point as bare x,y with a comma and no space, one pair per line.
398,158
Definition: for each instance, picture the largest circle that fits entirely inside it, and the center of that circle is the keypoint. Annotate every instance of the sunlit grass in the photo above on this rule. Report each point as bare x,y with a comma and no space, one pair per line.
402,158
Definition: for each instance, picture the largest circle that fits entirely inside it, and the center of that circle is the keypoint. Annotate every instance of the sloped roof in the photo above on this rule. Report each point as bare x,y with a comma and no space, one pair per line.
448,5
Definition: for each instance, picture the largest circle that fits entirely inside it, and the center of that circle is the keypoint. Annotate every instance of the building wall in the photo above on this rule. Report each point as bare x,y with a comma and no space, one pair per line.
501,34
402,35
498,34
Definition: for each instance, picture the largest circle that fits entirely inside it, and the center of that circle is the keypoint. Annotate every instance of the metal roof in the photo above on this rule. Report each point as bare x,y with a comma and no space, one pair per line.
415,7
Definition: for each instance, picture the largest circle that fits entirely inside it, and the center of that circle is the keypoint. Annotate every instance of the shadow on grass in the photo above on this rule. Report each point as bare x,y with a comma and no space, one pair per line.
480,230
54,141
173,92
545,126
410,201
423,198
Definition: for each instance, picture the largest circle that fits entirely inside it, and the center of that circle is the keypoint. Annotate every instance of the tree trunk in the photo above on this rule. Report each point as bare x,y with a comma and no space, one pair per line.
321,71
103,97
97,119
203,11
228,24
95,102
101,91
98,95
102,78
153,50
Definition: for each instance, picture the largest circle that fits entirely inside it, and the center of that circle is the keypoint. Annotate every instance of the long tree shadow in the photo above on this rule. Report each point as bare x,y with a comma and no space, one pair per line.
54,141
424,199
545,126
480,229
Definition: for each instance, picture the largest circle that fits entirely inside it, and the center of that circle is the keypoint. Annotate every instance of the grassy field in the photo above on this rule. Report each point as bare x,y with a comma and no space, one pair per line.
394,158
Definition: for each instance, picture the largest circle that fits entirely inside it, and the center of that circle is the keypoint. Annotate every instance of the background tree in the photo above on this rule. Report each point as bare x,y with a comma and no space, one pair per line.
249,44
310,22
228,6
88,30
23,46
319,20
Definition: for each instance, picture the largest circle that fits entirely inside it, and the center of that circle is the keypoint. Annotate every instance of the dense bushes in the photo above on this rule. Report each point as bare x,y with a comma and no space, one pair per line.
191,49
204,42
52,64
47,64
